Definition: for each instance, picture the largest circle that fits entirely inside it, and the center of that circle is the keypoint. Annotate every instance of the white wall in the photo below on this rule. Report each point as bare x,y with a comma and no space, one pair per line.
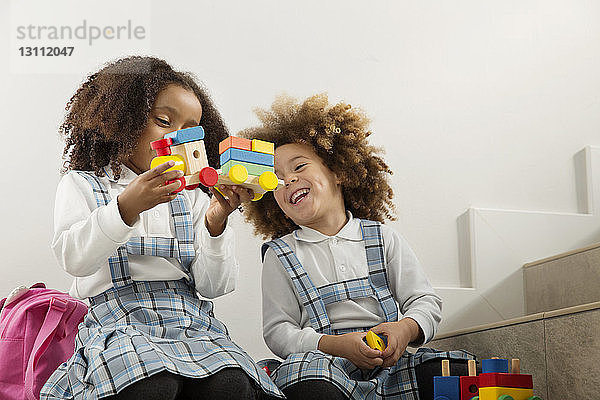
478,103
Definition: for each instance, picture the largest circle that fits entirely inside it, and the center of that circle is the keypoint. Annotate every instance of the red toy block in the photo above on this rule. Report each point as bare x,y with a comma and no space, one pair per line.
236,143
494,379
163,151
469,387
161,143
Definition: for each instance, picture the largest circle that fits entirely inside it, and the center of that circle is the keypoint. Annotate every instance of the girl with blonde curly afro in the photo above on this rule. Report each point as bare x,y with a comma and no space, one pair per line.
343,294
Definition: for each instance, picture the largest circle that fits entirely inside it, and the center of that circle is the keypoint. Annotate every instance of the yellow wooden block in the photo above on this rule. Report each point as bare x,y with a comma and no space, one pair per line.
375,342
263,147
492,393
179,162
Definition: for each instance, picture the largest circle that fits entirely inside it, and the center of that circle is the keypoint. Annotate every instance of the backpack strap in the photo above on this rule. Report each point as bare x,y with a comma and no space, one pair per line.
57,309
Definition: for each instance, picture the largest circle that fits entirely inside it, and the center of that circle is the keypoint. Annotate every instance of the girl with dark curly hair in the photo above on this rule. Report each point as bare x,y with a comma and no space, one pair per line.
334,271
142,254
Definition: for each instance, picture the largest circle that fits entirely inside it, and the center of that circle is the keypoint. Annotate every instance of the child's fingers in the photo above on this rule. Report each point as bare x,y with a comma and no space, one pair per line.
170,188
243,193
220,198
367,351
158,170
392,344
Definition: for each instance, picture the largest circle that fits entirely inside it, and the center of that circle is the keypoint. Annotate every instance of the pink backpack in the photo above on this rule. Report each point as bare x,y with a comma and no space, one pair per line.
37,334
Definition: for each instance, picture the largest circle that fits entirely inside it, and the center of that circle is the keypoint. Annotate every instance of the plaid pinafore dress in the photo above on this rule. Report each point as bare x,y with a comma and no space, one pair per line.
396,382
139,328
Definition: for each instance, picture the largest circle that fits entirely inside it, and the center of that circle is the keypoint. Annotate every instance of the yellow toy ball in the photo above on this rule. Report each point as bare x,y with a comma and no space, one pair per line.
238,174
268,180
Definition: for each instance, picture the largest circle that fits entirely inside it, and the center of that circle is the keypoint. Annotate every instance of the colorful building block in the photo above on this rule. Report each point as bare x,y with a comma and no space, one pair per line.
186,135
246,156
194,155
446,388
469,385
507,380
236,143
493,393
253,169
263,147
498,365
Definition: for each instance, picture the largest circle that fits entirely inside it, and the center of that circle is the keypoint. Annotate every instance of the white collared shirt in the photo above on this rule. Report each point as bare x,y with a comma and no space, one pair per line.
85,235
330,259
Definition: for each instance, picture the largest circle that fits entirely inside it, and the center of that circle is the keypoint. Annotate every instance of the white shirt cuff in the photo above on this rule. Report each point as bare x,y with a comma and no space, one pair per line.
424,323
112,225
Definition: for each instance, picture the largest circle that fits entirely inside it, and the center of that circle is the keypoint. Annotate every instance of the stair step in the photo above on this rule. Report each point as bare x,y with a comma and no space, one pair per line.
562,281
560,348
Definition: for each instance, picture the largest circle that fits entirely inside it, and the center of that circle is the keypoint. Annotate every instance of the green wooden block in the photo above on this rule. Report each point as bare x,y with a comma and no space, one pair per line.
253,169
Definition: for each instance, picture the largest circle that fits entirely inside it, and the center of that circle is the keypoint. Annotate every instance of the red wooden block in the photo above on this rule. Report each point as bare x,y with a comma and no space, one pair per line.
506,380
236,143
164,151
161,143
469,387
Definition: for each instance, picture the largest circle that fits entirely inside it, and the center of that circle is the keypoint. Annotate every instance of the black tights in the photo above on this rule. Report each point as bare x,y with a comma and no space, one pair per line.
229,383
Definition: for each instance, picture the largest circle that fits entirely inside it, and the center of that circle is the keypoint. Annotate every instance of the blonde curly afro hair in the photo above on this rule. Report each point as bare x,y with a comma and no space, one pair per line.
338,134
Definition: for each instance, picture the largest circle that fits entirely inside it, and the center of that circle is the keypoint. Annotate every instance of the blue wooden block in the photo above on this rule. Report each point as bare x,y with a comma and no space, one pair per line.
247,156
446,387
498,365
186,135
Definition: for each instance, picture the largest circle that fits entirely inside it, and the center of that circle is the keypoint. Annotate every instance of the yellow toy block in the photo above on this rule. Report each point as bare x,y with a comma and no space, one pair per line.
375,342
493,393
263,147
179,162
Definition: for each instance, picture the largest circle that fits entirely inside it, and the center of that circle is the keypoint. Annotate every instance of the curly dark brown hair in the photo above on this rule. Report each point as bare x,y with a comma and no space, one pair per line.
338,134
107,114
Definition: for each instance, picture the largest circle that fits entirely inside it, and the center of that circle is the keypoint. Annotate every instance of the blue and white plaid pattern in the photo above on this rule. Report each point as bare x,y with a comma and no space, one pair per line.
135,330
181,247
397,382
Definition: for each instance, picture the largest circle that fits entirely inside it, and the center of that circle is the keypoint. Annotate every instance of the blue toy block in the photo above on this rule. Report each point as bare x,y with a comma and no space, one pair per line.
497,365
247,156
446,387
186,135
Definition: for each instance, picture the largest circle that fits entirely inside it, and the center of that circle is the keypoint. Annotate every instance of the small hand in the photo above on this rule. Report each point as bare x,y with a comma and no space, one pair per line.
224,203
148,190
399,335
353,347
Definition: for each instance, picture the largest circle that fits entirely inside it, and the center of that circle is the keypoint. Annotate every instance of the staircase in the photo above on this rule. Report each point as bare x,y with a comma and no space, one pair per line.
558,340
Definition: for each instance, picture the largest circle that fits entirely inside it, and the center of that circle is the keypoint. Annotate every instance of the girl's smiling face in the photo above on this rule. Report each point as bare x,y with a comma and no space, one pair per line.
312,195
174,108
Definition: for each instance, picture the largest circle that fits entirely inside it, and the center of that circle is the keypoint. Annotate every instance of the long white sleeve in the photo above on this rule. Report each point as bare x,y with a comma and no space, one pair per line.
282,316
86,235
410,286
215,268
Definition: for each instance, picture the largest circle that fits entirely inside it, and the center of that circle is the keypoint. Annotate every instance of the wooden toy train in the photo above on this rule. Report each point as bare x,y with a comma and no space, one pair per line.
494,383
244,162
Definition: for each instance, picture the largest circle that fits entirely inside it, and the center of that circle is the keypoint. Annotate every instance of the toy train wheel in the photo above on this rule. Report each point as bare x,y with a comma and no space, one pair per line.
257,196
268,180
208,176
534,398
506,397
181,184
238,174
191,187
